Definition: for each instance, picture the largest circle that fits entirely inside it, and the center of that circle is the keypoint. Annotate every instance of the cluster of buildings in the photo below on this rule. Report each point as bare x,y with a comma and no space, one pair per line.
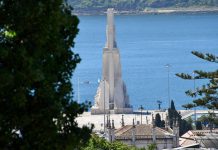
112,98
141,135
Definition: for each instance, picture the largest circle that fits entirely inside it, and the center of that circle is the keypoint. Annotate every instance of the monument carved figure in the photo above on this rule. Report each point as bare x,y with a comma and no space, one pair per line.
111,94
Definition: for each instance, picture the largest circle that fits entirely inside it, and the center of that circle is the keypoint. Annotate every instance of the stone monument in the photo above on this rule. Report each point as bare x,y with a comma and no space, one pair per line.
111,96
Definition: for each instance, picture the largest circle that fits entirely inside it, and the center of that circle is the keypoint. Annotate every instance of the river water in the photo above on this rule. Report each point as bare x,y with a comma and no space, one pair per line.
147,43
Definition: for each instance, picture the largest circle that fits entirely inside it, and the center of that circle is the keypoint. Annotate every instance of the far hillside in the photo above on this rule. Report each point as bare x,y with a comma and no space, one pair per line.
138,5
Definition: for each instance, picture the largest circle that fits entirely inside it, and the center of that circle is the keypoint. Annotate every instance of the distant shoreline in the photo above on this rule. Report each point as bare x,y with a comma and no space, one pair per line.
181,10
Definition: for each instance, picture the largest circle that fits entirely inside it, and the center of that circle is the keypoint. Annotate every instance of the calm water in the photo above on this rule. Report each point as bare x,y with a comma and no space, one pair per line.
147,43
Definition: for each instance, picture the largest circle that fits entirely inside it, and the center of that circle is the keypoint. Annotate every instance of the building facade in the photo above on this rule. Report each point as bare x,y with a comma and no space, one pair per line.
142,135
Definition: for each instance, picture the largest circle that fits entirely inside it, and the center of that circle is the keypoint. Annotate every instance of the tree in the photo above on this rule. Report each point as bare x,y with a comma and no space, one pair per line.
98,143
172,106
208,93
189,120
206,119
173,114
209,120
198,125
157,120
162,123
184,126
151,147
37,110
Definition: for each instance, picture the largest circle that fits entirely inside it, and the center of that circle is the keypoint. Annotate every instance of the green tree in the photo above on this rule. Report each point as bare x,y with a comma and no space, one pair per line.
184,126
162,123
208,93
37,110
189,120
173,114
98,143
172,106
205,96
198,125
208,120
158,122
151,147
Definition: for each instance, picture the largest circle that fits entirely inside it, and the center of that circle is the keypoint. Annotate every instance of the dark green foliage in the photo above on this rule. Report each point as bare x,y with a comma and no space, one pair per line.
189,120
151,147
158,122
36,64
172,106
137,4
206,119
184,126
97,143
198,125
162,123
188,106
209,120
207,93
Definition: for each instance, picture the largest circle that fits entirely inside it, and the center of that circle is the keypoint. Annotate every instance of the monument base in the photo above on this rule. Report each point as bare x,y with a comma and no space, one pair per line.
97,111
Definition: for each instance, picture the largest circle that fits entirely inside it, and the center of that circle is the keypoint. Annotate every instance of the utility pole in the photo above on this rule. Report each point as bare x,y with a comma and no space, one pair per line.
168,81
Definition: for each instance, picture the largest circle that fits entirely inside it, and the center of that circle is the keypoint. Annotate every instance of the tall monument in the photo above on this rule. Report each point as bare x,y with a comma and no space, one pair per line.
111,94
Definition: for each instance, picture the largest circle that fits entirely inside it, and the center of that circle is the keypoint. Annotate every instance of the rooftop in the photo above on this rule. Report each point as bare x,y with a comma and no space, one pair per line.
141,131
205,138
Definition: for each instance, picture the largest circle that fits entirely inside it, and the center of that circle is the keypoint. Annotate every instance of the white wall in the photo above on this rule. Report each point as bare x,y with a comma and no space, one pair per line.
161,143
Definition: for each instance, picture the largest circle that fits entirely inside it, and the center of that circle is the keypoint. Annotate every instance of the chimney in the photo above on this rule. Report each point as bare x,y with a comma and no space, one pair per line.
112,136
107,122
146,119
176,132
167,122
122,121
153,130
133,132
